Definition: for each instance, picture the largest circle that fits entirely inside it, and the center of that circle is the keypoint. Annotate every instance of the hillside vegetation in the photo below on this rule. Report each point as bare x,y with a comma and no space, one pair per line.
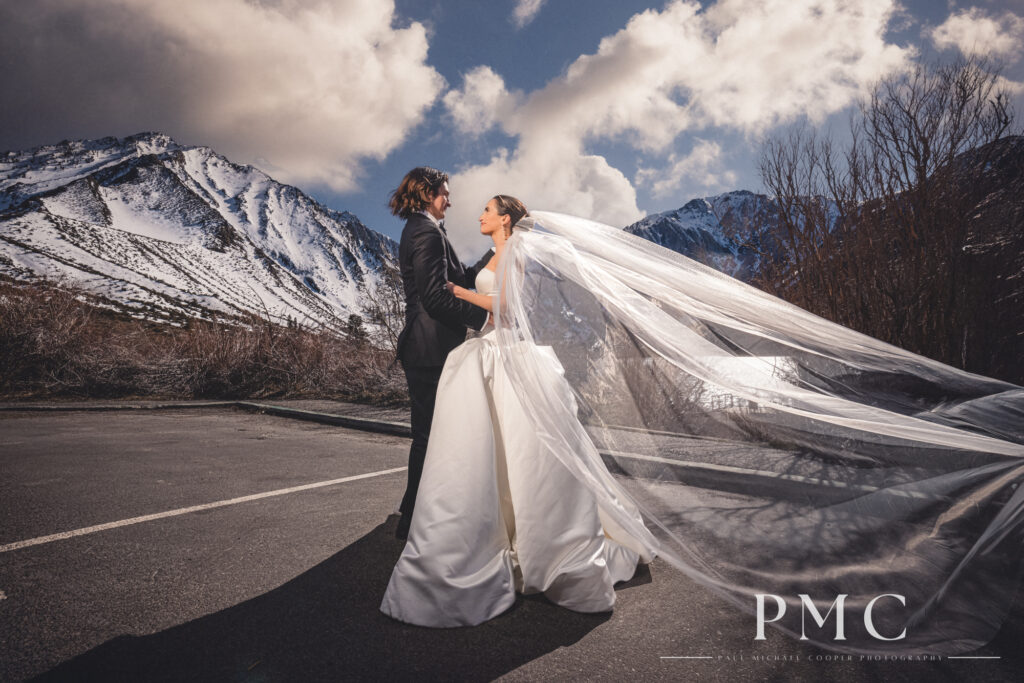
56,342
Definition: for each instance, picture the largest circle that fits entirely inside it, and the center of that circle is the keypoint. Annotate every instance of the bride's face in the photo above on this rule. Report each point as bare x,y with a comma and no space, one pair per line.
491,222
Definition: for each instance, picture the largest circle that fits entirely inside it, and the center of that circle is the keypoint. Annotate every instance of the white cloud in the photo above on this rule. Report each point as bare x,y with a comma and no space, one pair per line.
474,108
525,11
584,184
311,86
974,32
700,169
739,66
1014,88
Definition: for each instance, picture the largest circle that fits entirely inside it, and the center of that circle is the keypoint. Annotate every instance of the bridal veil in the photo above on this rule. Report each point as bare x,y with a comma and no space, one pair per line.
806,472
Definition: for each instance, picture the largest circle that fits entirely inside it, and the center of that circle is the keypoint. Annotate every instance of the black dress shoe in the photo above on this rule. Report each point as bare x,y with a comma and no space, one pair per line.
402,530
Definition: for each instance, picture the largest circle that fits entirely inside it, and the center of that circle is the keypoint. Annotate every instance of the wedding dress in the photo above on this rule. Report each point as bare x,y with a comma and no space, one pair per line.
836,488
496,514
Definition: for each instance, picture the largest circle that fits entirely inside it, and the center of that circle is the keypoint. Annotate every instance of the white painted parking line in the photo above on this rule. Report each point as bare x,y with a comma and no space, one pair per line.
184,511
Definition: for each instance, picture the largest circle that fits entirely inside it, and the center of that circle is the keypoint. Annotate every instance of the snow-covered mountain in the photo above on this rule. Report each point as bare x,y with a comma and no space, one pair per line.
166,231
726,232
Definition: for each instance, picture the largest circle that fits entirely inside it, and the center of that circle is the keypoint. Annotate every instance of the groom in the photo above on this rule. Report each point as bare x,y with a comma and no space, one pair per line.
435,321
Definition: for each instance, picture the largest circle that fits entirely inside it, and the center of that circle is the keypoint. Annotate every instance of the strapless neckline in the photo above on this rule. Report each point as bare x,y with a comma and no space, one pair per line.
486,280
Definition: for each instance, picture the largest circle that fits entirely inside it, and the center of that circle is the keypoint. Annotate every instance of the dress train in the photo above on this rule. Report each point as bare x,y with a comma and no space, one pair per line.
496,513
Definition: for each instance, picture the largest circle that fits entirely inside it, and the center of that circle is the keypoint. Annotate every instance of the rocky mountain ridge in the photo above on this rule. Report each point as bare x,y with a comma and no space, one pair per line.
166,231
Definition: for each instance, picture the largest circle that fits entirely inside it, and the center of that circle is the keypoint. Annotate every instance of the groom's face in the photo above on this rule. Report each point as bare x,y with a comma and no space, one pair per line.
440,203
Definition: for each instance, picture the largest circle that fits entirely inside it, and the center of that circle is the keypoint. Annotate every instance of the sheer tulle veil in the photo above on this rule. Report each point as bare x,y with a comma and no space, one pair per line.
803,471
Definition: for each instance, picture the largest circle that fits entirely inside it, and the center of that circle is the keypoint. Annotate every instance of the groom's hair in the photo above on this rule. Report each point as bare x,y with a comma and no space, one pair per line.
417,189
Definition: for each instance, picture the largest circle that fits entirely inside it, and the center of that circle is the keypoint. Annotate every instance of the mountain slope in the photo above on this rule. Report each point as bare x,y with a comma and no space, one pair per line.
166,231
726,232
739,233
992,180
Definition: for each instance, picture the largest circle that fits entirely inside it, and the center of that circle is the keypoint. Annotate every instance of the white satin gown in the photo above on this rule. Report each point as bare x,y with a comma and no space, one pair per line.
495,512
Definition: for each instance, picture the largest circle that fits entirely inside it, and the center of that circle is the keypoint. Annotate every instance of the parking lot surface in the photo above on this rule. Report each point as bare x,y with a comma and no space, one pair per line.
218,544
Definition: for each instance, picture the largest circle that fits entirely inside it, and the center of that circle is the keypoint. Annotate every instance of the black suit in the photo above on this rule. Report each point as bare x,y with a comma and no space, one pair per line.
435,323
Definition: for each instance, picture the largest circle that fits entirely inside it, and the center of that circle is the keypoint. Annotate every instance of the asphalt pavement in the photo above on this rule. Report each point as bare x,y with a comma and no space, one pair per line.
240,546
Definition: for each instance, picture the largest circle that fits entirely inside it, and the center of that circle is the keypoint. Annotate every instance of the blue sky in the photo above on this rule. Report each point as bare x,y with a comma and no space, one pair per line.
606,108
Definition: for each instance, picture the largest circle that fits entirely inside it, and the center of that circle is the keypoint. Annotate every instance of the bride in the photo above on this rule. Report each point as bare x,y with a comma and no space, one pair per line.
631,402
495,512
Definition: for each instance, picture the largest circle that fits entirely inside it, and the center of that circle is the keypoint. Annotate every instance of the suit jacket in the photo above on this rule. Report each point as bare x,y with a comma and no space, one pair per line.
435,321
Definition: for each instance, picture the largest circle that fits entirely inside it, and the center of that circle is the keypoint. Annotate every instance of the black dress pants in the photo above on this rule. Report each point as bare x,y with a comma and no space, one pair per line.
422,394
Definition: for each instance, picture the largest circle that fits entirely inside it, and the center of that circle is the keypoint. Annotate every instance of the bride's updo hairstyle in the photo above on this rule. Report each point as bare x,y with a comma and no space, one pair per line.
508,205
417,189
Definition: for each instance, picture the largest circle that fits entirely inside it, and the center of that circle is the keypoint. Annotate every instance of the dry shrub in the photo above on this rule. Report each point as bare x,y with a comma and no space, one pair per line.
55,342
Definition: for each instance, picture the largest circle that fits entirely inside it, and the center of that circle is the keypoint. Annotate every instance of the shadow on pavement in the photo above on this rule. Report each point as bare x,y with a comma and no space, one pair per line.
326,625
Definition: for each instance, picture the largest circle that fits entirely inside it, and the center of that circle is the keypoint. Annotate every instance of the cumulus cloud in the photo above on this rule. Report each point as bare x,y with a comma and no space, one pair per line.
1014,88
311,86
585,184
974,32
701,169
475,107
738,66
525,11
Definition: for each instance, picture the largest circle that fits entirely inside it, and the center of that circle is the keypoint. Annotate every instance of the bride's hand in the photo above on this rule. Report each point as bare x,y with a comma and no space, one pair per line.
458,292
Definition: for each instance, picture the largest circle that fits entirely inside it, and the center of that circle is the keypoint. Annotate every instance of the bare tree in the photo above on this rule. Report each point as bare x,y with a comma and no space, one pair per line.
873,234
385,307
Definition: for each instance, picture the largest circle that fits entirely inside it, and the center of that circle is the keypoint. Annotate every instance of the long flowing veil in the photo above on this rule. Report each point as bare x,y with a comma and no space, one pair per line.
806,472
